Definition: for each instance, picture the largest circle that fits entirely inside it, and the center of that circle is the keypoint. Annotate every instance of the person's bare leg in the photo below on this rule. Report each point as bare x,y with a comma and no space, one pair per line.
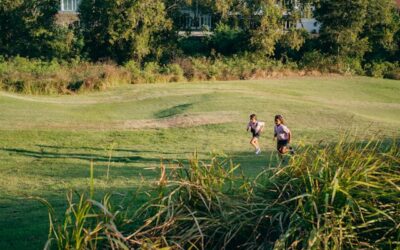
281,152
253,142
258,149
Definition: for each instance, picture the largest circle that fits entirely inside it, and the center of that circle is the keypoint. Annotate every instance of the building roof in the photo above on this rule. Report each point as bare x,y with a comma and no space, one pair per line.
398,3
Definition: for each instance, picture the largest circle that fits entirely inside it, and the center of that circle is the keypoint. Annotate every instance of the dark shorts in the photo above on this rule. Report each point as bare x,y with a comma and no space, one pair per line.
281,144
255,135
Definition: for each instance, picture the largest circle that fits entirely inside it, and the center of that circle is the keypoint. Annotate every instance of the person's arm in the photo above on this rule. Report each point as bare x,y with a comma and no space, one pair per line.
275,134
248,126
261,127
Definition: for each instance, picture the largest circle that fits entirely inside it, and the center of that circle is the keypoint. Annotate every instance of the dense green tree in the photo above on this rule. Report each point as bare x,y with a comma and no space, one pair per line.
228,40
28,29
262,22
268,28
240,25
122,29
342,21
140,30
381,26
362,29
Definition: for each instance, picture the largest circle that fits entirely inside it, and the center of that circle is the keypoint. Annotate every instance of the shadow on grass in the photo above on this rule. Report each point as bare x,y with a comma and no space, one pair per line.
24,222
252,164
173,111
127,150
42,154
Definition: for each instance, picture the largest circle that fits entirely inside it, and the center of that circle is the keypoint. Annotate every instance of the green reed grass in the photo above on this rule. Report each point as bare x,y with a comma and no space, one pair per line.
338,196
344,195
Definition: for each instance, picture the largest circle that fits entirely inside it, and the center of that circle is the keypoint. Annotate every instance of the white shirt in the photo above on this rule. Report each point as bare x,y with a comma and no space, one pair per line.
257,126
281,132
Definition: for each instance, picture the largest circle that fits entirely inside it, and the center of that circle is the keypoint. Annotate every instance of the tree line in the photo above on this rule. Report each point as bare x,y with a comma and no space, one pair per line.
360,31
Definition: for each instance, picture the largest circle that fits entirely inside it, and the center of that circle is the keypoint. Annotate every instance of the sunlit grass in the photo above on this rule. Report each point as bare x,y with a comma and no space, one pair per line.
48,142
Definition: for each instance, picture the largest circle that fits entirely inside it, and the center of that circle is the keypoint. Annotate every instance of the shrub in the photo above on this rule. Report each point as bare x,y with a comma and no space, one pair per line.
339,196
41,77
151,71
237,67
227,40
325,63
393,74
136,73
194,46
175,71
187,66
202,69
379,69
317,61
38,77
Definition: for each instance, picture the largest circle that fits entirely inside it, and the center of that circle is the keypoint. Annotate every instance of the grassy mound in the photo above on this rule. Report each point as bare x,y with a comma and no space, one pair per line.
339,196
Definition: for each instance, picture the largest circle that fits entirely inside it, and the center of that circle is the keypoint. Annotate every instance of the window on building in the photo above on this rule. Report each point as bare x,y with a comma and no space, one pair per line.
207,21
69,5
193,22
188,21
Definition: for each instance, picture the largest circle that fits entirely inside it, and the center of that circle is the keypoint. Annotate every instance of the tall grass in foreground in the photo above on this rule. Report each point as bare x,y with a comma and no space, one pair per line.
339,196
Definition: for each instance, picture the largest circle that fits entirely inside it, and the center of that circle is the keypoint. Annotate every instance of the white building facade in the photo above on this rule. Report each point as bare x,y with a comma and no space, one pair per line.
69,5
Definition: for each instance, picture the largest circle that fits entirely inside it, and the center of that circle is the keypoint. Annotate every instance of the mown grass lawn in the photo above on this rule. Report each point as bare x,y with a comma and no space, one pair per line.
47,142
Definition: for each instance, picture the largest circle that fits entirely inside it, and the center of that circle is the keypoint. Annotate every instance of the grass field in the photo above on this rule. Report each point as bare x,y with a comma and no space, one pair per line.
47,142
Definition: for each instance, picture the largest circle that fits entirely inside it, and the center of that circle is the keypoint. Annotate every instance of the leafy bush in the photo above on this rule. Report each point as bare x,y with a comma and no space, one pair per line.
39,77
380,69
325,63
150,72
339,196
176,72
393,74
227,40
42,77
136,73
194,46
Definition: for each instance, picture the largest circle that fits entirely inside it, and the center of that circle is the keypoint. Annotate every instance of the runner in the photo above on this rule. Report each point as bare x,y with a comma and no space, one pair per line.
256,128
283,135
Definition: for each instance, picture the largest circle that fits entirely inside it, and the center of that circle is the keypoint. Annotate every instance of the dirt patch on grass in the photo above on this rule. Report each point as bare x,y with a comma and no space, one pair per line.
190,120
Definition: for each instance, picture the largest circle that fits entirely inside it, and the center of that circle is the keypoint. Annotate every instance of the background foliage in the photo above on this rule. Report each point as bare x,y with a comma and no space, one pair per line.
355,36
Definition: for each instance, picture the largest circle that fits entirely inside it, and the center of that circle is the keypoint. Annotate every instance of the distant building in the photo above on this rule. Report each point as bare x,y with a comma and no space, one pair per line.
311,25
68,12
306,22
195,20
69,5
